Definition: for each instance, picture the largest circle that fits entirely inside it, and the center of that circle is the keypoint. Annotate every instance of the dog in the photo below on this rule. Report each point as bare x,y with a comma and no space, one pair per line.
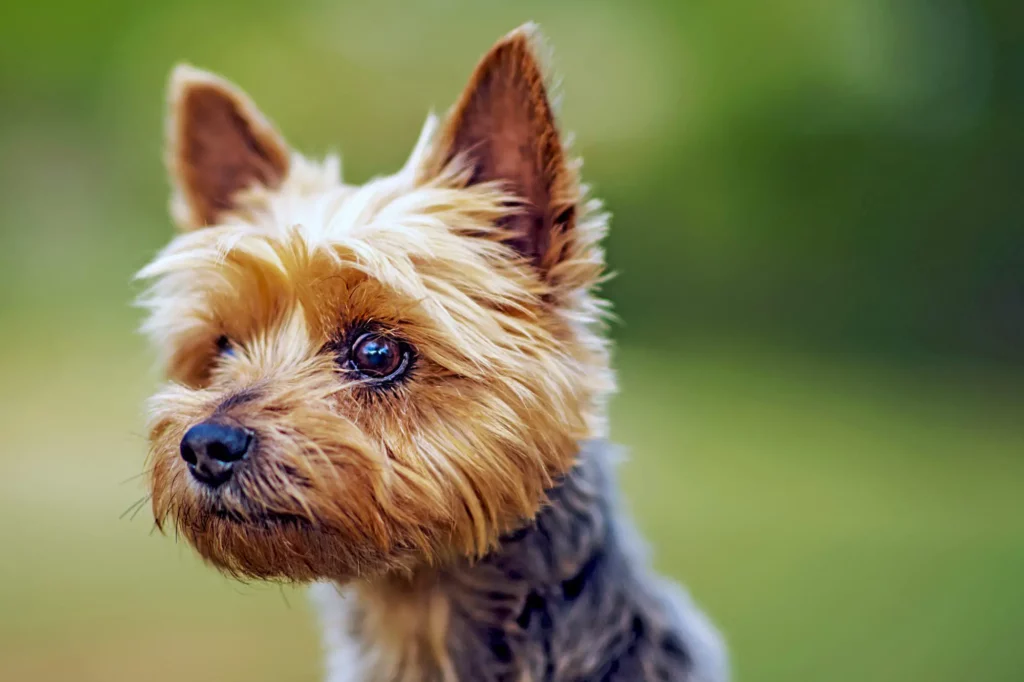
397,392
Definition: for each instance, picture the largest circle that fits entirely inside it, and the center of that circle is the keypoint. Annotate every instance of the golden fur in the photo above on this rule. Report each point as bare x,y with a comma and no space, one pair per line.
482,253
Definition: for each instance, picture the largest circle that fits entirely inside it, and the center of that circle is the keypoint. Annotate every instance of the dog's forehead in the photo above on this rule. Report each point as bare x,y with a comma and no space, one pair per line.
417,246
314,200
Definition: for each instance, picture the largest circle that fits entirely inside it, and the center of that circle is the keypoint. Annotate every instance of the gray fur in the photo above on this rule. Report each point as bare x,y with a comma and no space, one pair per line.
569,598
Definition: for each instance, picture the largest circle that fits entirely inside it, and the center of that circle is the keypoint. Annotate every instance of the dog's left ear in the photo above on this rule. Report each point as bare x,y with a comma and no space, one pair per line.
503,127
218,144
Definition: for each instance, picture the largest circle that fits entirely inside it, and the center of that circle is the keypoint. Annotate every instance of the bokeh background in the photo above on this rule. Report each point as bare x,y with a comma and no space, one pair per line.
819,240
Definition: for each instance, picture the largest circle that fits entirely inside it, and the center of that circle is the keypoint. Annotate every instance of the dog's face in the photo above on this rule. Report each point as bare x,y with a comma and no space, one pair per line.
367,378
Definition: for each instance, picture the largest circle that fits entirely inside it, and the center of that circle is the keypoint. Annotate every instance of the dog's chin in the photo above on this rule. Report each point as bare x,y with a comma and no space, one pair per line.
276,546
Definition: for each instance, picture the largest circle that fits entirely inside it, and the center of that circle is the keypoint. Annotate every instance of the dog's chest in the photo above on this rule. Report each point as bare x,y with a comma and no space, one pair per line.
576,633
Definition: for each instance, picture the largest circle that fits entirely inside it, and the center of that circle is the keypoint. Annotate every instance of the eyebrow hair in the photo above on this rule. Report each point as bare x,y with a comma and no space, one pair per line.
246,395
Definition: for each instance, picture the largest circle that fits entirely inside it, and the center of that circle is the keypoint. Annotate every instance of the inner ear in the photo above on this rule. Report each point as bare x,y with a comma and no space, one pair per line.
219,144
504,128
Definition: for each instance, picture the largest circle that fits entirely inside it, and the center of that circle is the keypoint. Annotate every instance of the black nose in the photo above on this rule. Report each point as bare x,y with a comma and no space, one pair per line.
211,450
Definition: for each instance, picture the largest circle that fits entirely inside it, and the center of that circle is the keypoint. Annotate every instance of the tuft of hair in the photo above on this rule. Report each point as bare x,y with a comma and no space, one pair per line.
481,255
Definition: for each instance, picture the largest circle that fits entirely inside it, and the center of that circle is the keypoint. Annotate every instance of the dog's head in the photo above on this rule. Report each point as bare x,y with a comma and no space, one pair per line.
367,378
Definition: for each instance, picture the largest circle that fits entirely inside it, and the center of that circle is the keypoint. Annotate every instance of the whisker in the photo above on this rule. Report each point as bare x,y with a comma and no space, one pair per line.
138,509
144,472
134,507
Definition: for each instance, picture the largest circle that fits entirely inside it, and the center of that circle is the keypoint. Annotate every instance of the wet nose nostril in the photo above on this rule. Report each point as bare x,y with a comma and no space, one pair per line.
231,446
219,452
187,453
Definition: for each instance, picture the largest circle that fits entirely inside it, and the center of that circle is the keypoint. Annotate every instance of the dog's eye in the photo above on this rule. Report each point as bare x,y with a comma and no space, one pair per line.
225,346
379,357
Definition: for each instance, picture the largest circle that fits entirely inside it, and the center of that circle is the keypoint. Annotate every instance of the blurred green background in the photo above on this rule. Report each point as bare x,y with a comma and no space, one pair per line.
818,231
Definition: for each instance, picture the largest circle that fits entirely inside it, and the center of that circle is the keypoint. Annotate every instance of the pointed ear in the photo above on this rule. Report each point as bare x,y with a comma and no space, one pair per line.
218,144
503,127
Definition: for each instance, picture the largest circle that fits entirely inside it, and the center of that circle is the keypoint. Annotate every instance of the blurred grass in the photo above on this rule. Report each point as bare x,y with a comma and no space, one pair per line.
841,520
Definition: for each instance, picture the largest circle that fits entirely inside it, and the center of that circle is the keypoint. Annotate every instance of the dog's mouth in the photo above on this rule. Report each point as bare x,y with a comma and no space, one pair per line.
268,520
231,502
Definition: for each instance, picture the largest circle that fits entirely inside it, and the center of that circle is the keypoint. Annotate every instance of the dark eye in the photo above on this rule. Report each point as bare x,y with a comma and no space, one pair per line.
379,357
225,346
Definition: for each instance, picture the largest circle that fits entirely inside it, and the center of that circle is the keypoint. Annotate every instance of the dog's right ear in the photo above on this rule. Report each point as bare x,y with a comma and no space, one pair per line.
218,144
503,129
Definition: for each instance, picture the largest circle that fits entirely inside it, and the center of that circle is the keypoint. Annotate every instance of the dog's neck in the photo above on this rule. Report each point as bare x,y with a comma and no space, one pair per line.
562,593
